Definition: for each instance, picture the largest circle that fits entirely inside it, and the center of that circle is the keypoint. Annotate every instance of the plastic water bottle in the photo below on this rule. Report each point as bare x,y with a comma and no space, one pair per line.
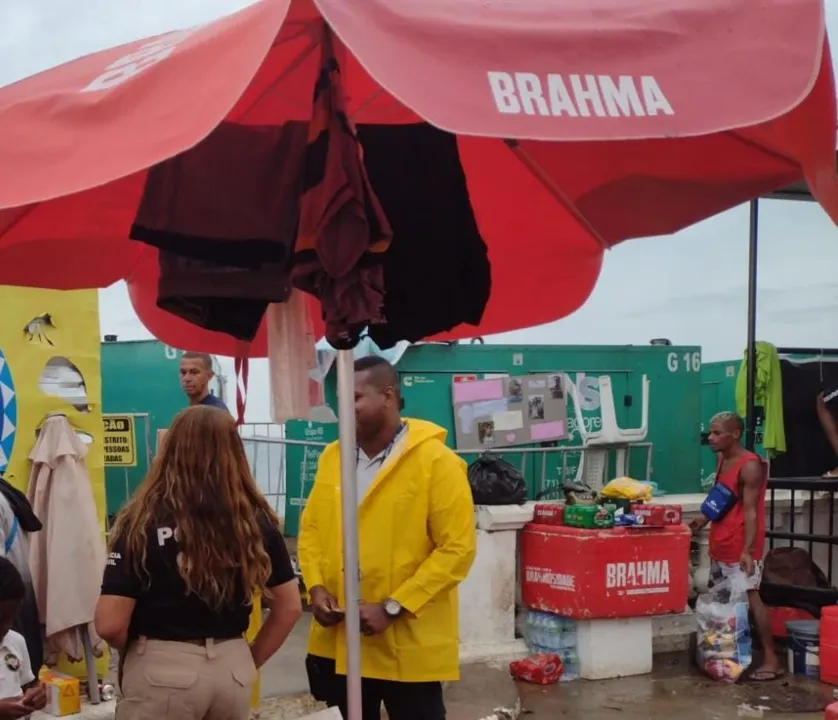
569,635
553,634
538,635
530,636
533,630
570,661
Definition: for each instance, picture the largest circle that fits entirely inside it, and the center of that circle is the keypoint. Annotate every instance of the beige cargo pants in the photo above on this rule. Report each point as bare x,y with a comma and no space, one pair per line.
205,680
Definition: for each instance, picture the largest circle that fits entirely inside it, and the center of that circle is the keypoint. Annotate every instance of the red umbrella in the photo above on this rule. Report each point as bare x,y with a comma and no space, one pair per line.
624,119
621,118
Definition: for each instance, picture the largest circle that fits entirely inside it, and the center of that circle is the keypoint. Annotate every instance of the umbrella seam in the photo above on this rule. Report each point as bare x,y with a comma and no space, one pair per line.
549,184
301,57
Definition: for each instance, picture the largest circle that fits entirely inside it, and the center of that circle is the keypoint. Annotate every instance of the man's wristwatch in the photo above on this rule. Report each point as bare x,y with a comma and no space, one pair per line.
392,608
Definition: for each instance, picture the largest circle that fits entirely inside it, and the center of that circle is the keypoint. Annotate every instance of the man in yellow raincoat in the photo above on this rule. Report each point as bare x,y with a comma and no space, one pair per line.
417,543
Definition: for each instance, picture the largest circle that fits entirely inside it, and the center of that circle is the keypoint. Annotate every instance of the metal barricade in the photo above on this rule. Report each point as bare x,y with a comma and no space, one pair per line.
809,500
265,451
266,444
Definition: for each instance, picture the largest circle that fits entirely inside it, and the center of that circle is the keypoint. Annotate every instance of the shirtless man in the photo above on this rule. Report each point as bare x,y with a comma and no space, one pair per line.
737,541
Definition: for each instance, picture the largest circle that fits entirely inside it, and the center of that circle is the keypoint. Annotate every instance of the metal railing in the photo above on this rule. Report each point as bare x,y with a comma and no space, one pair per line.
551,487
265,445
812,494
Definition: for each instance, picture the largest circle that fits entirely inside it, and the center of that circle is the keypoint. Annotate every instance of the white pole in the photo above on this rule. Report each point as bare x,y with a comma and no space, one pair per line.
349,512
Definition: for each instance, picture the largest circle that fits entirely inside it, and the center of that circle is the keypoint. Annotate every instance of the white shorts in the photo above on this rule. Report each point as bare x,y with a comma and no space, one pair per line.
722,571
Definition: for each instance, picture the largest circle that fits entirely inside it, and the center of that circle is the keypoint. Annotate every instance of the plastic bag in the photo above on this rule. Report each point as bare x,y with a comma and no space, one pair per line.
724,648
626,488
496,482
541,669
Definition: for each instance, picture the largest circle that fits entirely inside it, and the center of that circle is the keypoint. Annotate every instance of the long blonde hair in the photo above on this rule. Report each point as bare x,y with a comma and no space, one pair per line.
201,483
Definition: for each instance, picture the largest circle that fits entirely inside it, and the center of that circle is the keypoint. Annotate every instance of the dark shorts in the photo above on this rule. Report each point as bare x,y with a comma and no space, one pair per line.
403,701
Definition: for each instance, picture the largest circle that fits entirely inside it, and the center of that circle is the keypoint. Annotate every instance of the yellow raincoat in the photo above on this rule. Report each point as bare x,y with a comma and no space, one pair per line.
417,543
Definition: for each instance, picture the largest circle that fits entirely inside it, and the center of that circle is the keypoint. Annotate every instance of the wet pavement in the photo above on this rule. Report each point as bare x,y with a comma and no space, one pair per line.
483,691
486,691
674,689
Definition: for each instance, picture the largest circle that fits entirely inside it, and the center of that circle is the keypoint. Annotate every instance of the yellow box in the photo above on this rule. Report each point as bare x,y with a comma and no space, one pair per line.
63,693
253,629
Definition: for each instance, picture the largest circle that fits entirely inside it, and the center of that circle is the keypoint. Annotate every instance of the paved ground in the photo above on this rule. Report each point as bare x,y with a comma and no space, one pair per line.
674,690
482,691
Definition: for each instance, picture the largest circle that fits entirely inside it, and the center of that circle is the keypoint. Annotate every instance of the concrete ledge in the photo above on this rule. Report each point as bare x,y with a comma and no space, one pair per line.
493,652
671,633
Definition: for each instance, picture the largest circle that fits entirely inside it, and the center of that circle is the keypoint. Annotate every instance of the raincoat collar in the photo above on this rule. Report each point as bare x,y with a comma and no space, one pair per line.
417,432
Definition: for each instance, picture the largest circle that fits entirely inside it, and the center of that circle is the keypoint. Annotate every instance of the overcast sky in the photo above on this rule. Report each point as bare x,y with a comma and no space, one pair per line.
690,287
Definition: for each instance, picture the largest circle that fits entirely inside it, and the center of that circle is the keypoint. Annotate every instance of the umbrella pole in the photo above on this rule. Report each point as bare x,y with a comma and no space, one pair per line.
750,400
349,514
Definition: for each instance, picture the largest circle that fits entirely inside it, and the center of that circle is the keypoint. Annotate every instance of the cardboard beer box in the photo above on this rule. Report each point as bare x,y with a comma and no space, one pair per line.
548,514
63,693
652,515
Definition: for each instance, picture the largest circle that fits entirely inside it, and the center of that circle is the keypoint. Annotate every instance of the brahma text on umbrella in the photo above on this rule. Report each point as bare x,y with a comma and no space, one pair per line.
578,95
134,63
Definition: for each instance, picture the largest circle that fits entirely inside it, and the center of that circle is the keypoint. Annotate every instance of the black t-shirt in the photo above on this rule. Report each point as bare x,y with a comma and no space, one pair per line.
164,611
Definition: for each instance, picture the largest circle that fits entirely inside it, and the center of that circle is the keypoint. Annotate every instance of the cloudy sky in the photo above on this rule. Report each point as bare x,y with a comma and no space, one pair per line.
690,287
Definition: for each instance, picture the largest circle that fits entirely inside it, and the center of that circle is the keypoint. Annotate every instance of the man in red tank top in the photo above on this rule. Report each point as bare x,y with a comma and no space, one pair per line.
737,540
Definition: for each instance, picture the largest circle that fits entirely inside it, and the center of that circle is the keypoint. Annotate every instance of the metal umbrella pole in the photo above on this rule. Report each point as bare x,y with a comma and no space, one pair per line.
349,515
750,391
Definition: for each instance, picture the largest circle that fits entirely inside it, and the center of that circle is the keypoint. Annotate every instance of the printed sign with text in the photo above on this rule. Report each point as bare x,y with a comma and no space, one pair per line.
120,440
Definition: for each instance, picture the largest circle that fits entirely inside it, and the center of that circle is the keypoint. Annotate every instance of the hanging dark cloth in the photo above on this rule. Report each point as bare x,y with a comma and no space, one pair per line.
21,507
343,234
224,216
437,273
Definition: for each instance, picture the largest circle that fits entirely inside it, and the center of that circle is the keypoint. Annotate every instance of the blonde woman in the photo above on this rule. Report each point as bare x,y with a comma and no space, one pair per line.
187,554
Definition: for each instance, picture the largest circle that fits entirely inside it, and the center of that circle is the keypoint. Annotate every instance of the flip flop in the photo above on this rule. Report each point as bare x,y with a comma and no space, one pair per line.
830,475
766,676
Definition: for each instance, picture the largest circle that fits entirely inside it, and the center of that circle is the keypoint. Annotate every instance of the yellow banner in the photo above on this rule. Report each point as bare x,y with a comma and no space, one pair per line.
49,363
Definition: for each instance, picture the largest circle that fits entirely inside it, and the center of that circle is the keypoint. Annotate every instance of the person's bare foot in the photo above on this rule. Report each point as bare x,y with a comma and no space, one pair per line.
831,474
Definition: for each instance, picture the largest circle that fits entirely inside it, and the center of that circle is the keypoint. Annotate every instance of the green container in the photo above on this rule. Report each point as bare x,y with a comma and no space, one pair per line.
141,376
590,517
718,394
427,373
301,466
580,516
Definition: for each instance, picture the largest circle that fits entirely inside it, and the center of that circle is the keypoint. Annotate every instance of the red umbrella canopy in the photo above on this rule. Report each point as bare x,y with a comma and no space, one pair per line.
574,127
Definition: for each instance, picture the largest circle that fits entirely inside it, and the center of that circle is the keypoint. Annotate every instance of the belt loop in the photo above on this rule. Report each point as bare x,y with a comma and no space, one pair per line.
210,646
142,643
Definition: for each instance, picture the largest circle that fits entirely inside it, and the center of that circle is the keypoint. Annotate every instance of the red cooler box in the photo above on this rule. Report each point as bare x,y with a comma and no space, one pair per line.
619,572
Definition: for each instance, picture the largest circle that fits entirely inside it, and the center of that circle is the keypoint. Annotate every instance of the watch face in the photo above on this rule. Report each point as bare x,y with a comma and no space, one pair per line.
391,607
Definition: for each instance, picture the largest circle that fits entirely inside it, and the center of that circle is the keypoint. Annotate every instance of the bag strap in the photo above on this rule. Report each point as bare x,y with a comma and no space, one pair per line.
10,538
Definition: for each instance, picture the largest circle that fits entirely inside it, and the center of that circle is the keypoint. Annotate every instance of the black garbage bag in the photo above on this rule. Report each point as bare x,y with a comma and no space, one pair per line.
496,482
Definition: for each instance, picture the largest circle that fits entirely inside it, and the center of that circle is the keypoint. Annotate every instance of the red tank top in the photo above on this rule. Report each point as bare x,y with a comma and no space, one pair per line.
727,537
